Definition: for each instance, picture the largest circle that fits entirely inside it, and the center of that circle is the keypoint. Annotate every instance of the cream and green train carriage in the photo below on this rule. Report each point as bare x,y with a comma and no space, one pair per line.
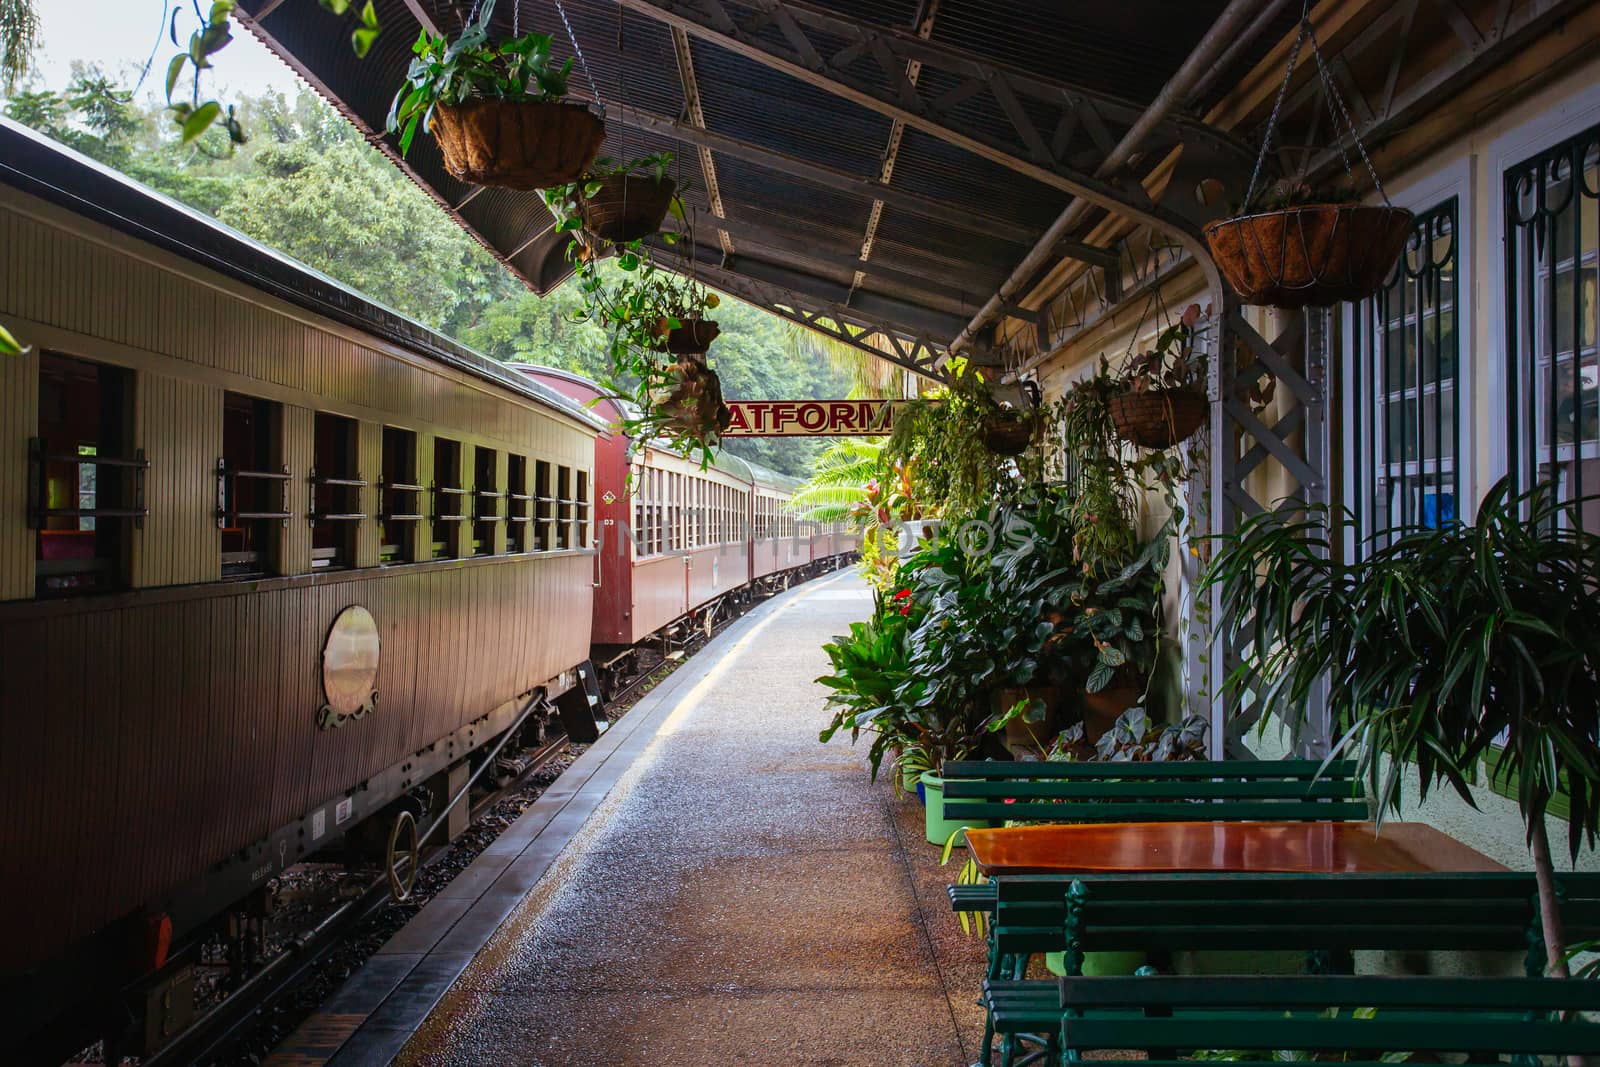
271,558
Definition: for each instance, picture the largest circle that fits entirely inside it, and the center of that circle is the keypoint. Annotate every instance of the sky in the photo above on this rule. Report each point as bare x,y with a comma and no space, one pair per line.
122,34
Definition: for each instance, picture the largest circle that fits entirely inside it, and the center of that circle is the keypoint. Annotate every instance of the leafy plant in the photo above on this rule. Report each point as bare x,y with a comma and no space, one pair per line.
1173,363
1133,738
452,72
940,437
214,32
9,345
1104,484
1286,193
1115,620
19,35
870,665
1437,648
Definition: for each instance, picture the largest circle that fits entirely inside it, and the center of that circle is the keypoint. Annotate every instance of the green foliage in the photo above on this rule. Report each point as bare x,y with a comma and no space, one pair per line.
9,345
841,483
194,117
940,439
452,72
1133,738
1105,497
1435,645
1116,627
19,36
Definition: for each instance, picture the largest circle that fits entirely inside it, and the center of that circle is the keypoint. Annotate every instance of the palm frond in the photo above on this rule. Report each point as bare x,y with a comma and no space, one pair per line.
839,481
869,376
19,36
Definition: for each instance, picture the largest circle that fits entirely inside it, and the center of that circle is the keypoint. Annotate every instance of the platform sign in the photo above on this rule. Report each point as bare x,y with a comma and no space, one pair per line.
812,418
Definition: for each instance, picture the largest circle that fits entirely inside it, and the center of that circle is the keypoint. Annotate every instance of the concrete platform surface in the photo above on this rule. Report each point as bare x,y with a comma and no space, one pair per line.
742,895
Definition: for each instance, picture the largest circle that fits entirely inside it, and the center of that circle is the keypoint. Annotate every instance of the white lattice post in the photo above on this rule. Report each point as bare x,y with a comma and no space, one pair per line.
1295,445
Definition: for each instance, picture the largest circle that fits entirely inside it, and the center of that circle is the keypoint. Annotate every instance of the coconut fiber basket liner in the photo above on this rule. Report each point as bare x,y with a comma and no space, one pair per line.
1158,418
1009,437
1315,255
521,144
693,337
626,207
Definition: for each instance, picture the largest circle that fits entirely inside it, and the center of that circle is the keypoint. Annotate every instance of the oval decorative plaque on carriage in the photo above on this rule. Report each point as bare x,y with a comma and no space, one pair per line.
349,667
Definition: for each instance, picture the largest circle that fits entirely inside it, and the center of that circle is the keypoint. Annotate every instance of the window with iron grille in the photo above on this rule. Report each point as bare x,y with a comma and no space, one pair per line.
1405,396
519,504
1552,219
400,497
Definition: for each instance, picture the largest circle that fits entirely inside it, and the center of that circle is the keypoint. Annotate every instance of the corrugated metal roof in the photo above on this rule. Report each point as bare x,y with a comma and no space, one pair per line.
1127,50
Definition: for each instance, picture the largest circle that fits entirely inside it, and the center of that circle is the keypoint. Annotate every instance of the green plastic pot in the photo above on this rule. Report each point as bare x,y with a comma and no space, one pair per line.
1097,964
938,827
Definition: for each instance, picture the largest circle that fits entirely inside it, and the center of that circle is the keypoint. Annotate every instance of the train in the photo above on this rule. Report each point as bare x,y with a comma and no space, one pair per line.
275,561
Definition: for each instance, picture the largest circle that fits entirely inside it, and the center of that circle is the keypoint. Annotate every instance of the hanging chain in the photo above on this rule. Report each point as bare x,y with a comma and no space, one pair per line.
579,53
1337,98
1277,105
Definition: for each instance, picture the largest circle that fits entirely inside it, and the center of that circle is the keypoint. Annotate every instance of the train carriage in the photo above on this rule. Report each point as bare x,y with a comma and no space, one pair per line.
272,558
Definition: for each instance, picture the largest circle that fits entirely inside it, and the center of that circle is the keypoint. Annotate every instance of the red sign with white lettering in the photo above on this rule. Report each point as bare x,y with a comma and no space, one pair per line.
811,418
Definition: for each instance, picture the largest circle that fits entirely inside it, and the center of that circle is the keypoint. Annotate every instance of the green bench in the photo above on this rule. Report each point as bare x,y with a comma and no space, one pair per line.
1166,1017
1214,791
1326,915
1209,791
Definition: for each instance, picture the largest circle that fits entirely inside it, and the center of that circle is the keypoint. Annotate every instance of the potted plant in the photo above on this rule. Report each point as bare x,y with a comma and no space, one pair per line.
1437,649
1162,393
618,203
674,394
1114,631
496,109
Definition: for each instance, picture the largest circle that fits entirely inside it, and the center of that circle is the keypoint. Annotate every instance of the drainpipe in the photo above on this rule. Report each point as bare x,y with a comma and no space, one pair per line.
1223,33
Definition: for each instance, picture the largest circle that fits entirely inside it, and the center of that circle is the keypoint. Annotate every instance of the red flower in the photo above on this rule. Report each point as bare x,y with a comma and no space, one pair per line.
902,594
905,609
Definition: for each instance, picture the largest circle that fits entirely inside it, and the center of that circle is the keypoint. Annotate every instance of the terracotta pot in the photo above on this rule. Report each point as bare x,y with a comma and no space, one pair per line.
1158,418
626,207
1009,436
517,144
1101,710
1314,255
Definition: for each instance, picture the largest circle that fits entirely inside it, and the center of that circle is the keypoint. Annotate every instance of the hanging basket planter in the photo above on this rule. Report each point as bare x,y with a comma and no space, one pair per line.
1312,255
626,207
693,337
1009,434
1158,418
690,402
517,144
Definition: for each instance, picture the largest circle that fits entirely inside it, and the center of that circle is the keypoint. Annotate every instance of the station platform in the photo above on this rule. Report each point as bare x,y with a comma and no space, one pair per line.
708,884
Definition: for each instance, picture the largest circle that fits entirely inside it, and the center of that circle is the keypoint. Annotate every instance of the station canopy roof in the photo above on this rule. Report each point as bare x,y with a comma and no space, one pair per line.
882,163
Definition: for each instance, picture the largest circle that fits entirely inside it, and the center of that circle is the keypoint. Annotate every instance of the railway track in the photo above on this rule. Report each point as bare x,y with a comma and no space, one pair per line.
219,1035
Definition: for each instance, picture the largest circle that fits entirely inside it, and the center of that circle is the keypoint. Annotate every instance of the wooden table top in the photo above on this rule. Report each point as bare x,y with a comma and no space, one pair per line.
1295,847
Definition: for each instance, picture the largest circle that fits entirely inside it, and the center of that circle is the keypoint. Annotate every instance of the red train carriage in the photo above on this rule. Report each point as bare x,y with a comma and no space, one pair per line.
676,540
273,560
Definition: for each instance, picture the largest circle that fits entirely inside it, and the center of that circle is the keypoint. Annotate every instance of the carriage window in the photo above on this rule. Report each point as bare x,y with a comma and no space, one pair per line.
86,487
519,512
581,508
487,501
544,537
564,507
1552,238
252,486
448,496
400,497
335,513
1404,404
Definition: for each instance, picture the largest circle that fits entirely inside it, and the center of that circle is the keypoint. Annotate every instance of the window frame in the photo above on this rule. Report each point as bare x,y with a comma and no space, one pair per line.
1421,194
